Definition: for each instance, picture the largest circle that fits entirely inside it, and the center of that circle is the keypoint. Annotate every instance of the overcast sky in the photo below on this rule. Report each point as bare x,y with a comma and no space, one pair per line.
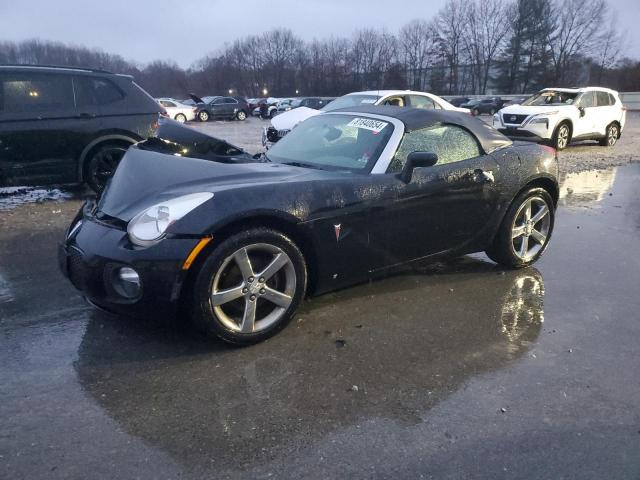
186,30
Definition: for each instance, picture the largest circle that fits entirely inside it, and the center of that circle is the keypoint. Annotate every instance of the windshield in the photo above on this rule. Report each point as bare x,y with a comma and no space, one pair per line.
350,101
552,97
334,142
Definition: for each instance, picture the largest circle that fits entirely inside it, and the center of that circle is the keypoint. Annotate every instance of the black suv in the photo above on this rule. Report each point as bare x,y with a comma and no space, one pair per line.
62,125
229,108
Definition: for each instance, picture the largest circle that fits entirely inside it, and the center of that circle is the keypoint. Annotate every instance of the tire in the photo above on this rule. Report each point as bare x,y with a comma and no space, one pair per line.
508,248
246,292
203,116
102,163
492,112
241,115
562,136
181,118
475,112
272,113
612,133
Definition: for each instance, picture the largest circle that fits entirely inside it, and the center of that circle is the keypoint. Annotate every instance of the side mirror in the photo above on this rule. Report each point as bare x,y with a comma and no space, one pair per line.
581,111
417,160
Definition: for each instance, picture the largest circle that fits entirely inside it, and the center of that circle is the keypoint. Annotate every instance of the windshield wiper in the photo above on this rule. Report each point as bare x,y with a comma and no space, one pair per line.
303,165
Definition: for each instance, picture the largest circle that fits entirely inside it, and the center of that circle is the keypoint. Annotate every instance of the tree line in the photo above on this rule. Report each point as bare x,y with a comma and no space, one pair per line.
467,47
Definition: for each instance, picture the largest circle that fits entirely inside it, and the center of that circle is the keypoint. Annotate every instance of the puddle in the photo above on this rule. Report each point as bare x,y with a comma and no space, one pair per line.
12,197
583,188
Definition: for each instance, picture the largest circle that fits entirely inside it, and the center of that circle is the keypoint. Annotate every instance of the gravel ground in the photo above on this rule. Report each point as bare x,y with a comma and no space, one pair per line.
578,157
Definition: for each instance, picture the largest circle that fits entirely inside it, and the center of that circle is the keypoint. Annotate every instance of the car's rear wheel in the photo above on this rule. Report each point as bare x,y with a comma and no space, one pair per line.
562,136
241,115
525,231
102,164
611,136
203,116
250,286
181,118
475,112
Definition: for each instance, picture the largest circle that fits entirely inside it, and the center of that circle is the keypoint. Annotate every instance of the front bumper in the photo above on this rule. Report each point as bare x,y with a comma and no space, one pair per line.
521,134
94,252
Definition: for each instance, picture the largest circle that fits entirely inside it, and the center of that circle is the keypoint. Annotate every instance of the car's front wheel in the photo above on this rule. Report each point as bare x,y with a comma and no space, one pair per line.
102,164
562,136
250,286
203,116
525,231
181,118
611,136
241,115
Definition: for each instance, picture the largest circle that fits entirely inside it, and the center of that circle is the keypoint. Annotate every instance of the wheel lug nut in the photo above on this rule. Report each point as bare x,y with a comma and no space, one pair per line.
262,291
261,280
250,279
245,290
252,297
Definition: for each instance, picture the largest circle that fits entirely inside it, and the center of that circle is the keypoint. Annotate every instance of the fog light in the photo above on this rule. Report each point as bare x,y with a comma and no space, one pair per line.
127,282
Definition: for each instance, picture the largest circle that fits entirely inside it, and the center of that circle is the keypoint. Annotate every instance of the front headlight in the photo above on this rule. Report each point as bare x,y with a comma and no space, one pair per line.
150,225
540,120
496,120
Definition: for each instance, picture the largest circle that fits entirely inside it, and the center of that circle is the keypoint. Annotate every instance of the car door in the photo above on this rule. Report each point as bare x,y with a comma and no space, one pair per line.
604,112
37,125
444,207
586,121
422,101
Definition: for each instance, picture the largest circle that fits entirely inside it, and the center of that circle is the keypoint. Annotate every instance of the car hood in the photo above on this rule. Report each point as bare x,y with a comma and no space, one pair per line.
195,98
145,178
288,120
532,109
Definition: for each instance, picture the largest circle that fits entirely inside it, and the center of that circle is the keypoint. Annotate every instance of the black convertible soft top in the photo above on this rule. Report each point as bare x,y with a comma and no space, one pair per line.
417,118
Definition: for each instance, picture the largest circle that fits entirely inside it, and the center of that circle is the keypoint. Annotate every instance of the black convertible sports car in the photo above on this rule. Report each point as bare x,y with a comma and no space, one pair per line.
346,196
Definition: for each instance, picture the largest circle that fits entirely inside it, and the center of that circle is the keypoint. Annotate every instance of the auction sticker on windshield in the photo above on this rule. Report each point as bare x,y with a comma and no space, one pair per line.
375,126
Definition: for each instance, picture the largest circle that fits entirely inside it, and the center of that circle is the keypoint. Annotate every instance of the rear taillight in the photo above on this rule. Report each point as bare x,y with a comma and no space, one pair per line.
164,114
194,108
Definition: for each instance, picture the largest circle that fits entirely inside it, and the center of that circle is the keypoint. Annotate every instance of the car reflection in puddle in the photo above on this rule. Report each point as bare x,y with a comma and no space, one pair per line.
388,350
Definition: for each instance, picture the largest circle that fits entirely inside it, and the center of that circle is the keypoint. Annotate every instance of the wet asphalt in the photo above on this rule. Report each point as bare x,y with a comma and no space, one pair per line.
454,370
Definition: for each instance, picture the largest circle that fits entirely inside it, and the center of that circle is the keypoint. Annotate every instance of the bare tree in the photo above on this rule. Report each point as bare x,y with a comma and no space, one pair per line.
576,32
450,24
416,43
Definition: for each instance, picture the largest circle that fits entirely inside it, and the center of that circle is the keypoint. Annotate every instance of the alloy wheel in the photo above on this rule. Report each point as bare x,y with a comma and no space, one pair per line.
253,288
612,136
530,229
242,115
563,137
105,163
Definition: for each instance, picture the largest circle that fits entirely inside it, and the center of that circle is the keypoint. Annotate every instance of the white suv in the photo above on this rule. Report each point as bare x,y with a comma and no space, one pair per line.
560,115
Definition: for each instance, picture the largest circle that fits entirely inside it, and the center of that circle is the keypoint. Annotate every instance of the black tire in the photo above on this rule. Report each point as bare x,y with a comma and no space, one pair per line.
475,112
272,113
101,164
559,141
241,115
612,133
180,118
203,116
502,250
220,266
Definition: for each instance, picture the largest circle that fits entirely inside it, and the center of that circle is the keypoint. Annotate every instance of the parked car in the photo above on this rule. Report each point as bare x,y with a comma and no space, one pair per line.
346,196
284,105
178,111
515,100
559,115
69,125
311,102
458,101
266,108
485,105
229,108
282,124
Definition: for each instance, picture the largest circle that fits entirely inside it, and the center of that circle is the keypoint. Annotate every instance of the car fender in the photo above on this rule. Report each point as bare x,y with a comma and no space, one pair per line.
98,140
